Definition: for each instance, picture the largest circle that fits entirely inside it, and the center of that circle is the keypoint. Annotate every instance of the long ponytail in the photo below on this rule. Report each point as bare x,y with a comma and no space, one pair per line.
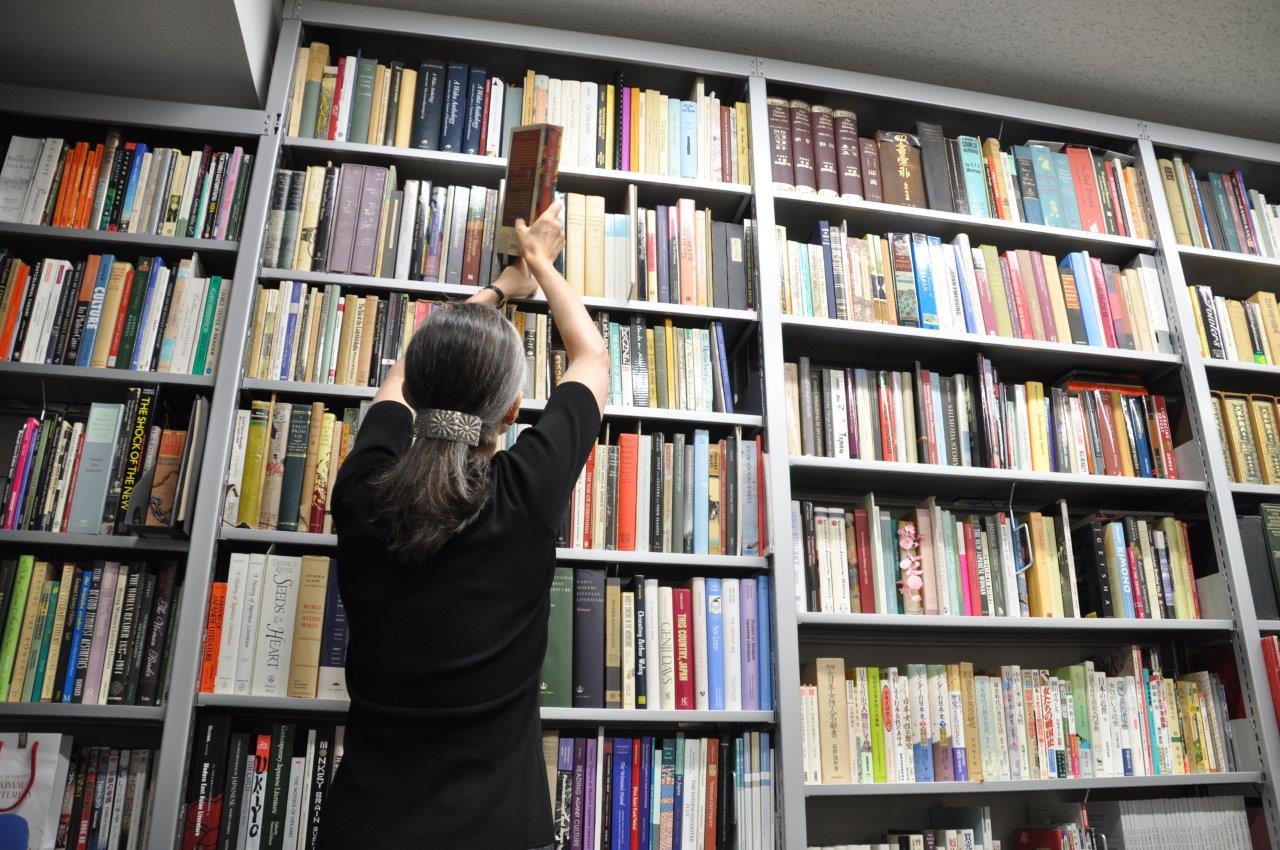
465,358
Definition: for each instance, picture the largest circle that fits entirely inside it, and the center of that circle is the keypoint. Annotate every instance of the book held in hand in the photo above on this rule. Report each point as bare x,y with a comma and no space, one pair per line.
532,166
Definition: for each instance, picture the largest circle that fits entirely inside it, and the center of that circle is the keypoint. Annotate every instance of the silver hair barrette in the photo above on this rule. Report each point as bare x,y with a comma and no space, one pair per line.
449,425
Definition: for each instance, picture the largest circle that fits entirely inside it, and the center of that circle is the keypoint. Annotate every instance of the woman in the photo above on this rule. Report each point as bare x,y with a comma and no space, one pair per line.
446,550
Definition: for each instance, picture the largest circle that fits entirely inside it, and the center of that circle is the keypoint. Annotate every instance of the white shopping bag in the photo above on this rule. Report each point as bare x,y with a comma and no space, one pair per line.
33,777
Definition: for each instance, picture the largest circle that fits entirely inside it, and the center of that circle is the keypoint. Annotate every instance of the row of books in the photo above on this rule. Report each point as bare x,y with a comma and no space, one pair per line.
1085,424
284,456
950,828
1119,716
295,646
1260,540
465,109
250,789
351,219
1249,434
1219,822
818,149
638,644
670,493
915,280
669,254
1218,211
91,634
672,792
108,468
1231,329
322,335
125,186
112,314
100,796
665,366
875,559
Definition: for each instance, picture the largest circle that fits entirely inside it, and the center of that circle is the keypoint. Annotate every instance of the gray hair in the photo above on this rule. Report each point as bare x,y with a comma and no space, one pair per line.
464,358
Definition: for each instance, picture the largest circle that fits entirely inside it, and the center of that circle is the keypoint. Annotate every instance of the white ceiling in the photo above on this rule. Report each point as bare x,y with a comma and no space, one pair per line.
1210,65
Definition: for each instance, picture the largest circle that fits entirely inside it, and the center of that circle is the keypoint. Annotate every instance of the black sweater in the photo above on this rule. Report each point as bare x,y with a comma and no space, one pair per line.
443,744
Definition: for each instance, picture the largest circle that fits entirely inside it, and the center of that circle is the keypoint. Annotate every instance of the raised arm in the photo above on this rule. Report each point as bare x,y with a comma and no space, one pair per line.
540,244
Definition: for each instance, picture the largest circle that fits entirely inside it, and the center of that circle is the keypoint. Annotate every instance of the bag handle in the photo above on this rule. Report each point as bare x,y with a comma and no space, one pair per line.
31,779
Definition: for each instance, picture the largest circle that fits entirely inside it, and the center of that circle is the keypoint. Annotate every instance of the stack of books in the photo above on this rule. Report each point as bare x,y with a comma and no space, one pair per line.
1249,436
252,789
284,457
818,149
1117,716
453,107
105,468
1229,329
874,559
323,335
661,791
1218,211
89,634
276,628
125,186
108,313
1085,424
918,281
637,644
662,492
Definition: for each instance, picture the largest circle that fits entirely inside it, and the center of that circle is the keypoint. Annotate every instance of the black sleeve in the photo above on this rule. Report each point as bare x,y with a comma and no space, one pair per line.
547,458
383,436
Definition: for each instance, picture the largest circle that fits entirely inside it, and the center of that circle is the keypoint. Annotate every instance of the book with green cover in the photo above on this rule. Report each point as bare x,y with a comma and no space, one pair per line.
123,358
254,457
40,642
1271,533
206,325
362,100
555,682
13,620
877,724
277,795
295,460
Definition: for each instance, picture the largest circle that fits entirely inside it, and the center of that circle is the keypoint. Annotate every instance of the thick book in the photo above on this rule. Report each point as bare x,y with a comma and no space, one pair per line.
555,682
936,170
532,167
900,176
588,630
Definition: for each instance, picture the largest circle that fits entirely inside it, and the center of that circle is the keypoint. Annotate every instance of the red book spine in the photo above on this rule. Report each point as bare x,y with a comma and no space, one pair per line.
1014,279
862,537
884,396
484,116
212,636
1113,188
1241,196
637,745
548,168
587,499
681,611
86,809
712,789
1119,312
1271,654
337,99
975,592
1135,579
1100,401
1166,437
1085,181
1104,303
1042,295
628,451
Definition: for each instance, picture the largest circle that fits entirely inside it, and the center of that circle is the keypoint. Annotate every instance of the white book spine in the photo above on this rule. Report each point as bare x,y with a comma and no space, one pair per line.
304,808
826,586
44,289
113,637
232,614
590,93
666,651
839,415
644,494
797,558
732,644
408,218
275,626
41,182
838,551
692,787
698,587
293,805
16,175
570,101
628,650
493,135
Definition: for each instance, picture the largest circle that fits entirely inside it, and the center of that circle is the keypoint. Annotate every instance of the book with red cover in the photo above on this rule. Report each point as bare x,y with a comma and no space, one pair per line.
780,142
1041,839
1271,655
681,614
628,456
533,164
862,537
1015,284
590,468
1085,181
212,636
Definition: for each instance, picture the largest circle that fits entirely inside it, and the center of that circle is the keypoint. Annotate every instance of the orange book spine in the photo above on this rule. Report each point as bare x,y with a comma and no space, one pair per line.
687,214
88,188
19,287
69,185
587,499
628,453
212,636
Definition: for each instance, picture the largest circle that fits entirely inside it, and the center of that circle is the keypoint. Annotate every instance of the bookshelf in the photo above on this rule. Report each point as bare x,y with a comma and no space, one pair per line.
805,812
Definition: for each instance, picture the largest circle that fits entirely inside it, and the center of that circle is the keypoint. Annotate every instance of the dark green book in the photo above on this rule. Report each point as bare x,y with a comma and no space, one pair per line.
133,314
295,458
277,796
555,682
1270,513
388,130
362,101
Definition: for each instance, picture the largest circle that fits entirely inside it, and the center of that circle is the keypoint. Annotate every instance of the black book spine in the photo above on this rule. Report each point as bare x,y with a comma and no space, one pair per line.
64,640
233,790
236,219
138,646
952,420
165,307
955,176
588,638
375,354
120,664
611,500
157,632
393,103
8,567
64,318
277,798
641,643
1257,559
933,158
215,194
606,789
810,553
617,111
805,391
205,786
112,502
96,825
1097,568
70,826
828,433
820,415
324,224
135,451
